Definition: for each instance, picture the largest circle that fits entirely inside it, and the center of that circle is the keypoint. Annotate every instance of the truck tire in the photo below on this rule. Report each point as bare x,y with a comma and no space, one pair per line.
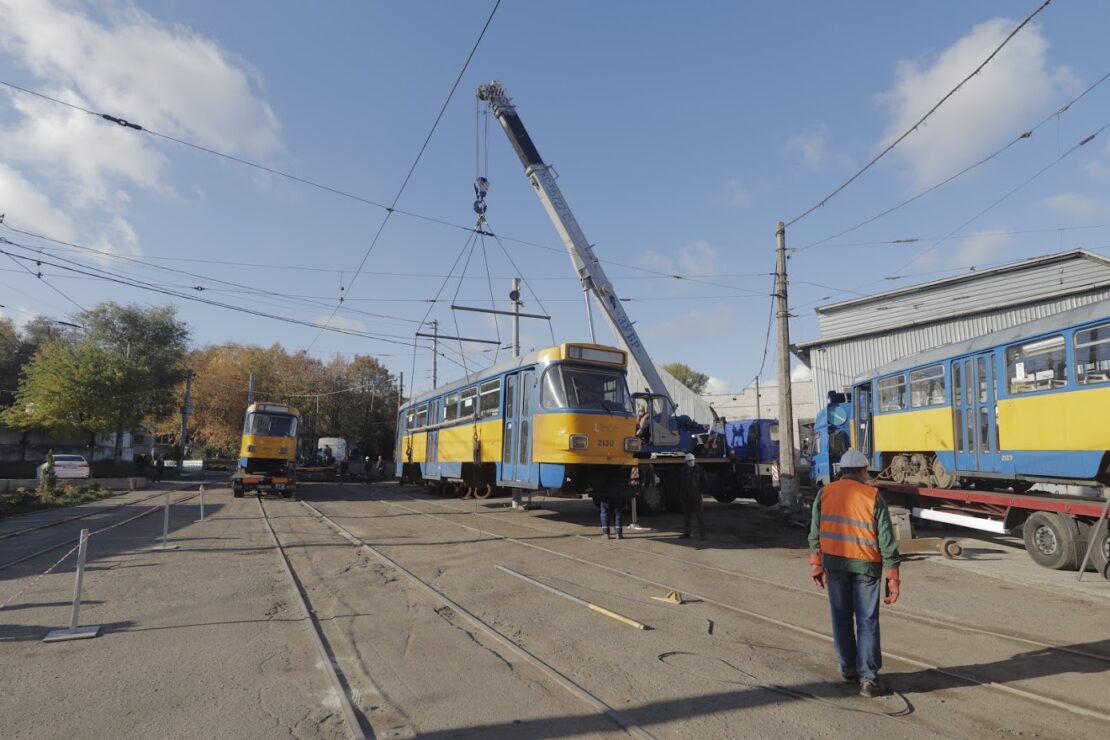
725,498
1049,540
1100,553
766,496
237,490
651,500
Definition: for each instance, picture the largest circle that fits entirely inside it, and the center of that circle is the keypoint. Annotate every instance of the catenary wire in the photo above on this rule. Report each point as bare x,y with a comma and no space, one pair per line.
922,120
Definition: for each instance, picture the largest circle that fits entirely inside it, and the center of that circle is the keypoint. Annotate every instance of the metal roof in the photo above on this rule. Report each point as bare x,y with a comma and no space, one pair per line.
982,291
1056,322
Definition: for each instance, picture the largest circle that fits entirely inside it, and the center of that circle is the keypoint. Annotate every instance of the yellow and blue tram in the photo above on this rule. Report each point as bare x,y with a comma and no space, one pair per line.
558,418
1011,408
268,450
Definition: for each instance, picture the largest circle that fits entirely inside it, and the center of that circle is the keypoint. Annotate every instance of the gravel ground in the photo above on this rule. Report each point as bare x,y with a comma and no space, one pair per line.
209,640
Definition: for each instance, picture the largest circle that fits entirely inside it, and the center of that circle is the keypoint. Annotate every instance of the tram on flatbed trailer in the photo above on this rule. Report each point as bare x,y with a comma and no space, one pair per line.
1001,433
268,451
558,419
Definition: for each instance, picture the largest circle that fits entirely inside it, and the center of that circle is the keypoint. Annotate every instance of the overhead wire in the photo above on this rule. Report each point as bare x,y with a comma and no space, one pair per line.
1020,137
886,150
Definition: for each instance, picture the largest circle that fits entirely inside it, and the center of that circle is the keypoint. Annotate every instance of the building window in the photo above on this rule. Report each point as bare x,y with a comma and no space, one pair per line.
927,387
892,393
1037,366
467,402
1092,355
489,397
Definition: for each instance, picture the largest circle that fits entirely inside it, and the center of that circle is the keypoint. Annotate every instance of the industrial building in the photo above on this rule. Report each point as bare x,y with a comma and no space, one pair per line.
865,333
761,401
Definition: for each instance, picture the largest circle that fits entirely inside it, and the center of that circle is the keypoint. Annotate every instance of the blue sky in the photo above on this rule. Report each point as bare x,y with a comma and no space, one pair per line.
682,133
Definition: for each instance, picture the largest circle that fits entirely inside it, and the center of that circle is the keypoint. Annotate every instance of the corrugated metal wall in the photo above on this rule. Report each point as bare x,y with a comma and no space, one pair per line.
835,365
1039,280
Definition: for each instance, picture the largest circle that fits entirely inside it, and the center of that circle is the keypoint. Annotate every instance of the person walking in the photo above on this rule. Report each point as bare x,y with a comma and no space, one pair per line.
380,468
853,550
159,466
611,508
344,467
691,484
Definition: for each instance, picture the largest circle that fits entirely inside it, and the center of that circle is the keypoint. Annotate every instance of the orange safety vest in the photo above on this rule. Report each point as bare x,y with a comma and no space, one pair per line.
848,527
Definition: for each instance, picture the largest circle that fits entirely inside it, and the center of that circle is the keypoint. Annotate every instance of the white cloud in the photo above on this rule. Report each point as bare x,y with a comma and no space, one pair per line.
1077,206
694,258
716,386
800,373
978,248
812,147
115,58
1099,168
341,322
738,196
1013,89
693,323
20,198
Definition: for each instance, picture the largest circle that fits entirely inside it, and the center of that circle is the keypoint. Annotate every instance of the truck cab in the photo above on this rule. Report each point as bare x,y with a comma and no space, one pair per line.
831,438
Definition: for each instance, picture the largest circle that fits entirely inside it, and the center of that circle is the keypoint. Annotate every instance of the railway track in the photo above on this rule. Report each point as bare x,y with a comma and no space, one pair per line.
559,678
74,540
911,660
811,593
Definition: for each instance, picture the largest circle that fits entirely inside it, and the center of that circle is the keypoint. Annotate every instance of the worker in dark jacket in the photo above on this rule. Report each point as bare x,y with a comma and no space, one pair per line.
691,484
853,550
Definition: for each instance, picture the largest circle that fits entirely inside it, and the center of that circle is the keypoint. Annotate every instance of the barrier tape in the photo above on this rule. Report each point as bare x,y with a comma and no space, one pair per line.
37,578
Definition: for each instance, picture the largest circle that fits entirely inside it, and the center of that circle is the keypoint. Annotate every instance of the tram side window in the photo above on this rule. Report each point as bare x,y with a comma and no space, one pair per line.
1037,366
892,393
422,416
467,402
451,407
410,420
488,398
1092,355
927,387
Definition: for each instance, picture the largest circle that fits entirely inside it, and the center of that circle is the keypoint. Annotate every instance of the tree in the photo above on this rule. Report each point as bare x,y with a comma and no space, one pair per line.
688,376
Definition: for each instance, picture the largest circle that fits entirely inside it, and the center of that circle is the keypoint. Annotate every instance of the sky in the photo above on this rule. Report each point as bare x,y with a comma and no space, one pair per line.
681,132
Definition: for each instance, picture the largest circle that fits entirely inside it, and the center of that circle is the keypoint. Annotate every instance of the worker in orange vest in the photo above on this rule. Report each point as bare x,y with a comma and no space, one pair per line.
853,550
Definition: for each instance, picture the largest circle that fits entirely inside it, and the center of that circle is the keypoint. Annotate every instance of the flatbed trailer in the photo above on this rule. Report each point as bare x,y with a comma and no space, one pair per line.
243,483
1057,528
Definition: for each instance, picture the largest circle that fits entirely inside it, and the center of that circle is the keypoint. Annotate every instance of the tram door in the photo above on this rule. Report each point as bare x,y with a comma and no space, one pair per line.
516,452
974,404
431,464
863,433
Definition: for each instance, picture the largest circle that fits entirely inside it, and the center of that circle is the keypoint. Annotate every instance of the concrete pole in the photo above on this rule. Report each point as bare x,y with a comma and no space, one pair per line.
435,352
250,389
758,404
186,409
515,295
788,480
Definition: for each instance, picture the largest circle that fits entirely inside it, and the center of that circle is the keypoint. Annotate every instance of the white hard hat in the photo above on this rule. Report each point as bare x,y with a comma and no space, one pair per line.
689,457
853,458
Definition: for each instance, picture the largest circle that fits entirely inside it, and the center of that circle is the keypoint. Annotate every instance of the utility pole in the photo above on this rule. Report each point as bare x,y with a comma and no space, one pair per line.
435,351
758,405
186,409
250,390
788,480
514,295
400,393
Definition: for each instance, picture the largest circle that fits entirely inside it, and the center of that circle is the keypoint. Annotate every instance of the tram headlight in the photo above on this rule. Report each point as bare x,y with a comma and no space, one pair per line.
631,444
579,441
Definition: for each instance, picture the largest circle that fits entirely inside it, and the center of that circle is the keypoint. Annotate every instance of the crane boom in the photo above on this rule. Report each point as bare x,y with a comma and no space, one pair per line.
582,255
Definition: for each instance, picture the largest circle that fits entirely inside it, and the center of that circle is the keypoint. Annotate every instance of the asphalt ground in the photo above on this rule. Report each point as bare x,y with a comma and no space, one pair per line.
210,640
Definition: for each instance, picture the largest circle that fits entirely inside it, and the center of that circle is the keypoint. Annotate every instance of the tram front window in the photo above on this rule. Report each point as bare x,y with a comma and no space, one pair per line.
567,387
270,425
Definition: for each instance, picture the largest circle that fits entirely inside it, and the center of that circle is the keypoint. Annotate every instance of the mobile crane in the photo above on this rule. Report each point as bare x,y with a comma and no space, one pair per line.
671,435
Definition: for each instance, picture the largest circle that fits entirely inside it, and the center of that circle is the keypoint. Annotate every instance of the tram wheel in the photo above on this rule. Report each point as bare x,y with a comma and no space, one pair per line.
484,492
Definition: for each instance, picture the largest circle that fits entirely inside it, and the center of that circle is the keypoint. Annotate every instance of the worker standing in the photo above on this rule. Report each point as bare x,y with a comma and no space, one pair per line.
692,483
853,550
611,507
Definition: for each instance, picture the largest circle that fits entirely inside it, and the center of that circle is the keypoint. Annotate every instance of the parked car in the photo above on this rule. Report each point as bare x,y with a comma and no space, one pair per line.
67,466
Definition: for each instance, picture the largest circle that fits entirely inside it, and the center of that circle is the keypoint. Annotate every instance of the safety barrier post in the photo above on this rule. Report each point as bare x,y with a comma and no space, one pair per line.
201,503
73,632
165,528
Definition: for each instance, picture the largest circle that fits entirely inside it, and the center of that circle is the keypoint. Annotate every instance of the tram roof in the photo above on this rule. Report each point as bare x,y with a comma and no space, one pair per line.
540,356
1055,322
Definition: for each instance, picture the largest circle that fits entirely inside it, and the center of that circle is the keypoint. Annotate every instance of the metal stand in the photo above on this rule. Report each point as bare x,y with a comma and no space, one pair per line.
73,632
201,503
635,526
1094,536
165,529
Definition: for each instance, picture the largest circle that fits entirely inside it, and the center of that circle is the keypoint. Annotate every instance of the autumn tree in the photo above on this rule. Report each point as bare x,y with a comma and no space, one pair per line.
688,376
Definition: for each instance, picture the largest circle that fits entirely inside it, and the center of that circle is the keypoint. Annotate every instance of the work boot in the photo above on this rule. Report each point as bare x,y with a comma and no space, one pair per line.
620,535
850,678
606,533
870,689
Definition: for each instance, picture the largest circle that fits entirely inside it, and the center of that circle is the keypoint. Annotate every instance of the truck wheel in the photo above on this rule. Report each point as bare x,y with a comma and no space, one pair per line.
651,500
1049,540
725,498
237,490
1100,553
766,496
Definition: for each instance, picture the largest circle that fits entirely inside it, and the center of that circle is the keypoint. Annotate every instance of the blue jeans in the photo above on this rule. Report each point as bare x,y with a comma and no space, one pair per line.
855,598
611,504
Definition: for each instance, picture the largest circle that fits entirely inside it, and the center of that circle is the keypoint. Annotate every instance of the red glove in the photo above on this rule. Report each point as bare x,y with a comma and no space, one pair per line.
893,586
816,570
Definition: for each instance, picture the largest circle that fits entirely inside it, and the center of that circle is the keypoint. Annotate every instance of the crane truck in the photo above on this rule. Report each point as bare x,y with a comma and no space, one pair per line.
671,436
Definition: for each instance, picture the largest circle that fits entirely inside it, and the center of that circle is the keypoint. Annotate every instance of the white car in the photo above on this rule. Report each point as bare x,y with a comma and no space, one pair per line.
67,466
